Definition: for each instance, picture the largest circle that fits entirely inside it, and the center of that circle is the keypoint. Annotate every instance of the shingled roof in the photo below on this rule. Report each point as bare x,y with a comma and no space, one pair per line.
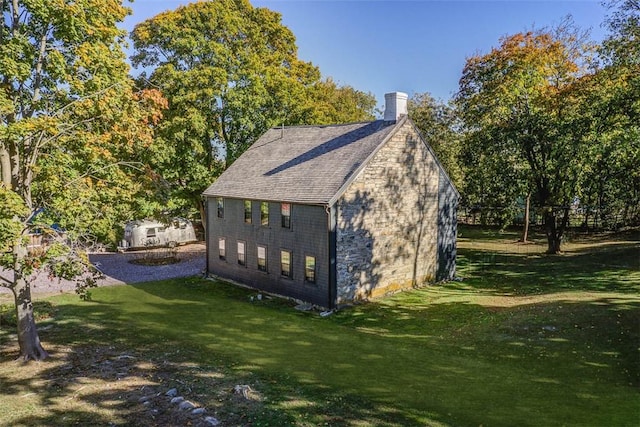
302,164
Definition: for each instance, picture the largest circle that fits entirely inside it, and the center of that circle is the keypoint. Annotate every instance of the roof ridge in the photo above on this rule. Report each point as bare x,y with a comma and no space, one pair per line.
326,126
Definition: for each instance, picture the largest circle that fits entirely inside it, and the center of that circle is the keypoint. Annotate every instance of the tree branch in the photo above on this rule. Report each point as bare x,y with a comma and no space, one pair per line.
38,71
133,165
5,283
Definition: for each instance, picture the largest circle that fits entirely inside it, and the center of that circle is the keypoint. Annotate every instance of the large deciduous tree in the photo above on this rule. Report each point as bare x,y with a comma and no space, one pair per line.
439,125
519,103
328,103
611,191
229,71
71,130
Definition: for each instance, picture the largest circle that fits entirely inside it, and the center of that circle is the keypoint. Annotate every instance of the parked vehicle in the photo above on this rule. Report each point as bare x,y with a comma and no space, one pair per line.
150,234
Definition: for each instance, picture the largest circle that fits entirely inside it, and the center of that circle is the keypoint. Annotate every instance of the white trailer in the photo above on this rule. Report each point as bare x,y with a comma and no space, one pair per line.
151,234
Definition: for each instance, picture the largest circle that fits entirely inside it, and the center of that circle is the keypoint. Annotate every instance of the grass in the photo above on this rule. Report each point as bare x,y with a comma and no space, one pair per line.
524,339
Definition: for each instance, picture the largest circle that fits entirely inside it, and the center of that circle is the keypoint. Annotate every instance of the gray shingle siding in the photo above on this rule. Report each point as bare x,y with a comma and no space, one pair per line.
447,228
307,236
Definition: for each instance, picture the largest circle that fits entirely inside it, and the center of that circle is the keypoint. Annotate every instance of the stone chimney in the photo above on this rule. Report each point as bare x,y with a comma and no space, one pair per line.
395,106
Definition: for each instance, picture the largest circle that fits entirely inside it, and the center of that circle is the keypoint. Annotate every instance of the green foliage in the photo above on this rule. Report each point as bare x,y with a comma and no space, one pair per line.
547,113
520,104
12,208
73,135
439,126
329,103
230,72
611,110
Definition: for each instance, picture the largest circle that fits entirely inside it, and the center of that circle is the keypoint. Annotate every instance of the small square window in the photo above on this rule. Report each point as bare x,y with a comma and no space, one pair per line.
285,210
247,211
310,269
264,213
285,263
220,203
242,255
262,258
222,248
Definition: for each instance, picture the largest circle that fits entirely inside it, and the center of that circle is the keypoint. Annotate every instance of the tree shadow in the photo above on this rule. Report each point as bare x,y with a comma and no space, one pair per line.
102,363
433,362
356,135
396,223
612,267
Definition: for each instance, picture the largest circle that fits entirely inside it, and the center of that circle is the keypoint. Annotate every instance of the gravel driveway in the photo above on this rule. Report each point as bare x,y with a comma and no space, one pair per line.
118,269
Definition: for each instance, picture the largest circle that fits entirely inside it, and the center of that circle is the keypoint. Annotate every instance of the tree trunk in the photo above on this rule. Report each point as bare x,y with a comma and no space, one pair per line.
554,230
203,214
28,339
550,227
525,233
5,166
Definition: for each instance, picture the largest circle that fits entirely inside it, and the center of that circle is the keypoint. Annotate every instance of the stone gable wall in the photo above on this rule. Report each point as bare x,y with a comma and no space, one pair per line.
387,225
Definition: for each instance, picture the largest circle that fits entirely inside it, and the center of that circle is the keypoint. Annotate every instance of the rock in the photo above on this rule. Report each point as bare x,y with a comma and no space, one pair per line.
212,421
244,390
304,307
146,398
172,393
124,356
186,405
198,411
177,399
326,313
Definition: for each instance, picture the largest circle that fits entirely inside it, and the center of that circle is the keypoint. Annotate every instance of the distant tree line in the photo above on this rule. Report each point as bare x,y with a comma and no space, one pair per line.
550,117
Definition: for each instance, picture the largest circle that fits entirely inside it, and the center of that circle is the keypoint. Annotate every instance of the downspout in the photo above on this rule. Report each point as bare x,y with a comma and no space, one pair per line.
207,240
331,230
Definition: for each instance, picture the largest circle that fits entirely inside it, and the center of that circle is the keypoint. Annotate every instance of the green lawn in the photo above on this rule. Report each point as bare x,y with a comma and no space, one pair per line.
524,339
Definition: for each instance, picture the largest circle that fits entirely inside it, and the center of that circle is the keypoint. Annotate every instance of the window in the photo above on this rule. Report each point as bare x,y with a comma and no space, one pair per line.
264,213
220,201
222,248
247,211
285,263
285,210
262,258
242,255
310,269
151,232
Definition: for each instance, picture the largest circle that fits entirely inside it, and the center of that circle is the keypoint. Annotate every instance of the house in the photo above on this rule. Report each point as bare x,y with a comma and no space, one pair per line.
334,214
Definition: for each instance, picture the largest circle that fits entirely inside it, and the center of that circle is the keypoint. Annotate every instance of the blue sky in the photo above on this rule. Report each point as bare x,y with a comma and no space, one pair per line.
410,46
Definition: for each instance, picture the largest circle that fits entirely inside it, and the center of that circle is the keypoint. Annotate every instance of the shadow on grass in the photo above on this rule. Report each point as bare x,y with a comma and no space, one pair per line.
510,345
405,360
109,353
614,267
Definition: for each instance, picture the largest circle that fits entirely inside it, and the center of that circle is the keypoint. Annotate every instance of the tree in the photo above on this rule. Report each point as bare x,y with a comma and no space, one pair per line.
517,103
71,130
439,125
327,103
230,72
611,191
